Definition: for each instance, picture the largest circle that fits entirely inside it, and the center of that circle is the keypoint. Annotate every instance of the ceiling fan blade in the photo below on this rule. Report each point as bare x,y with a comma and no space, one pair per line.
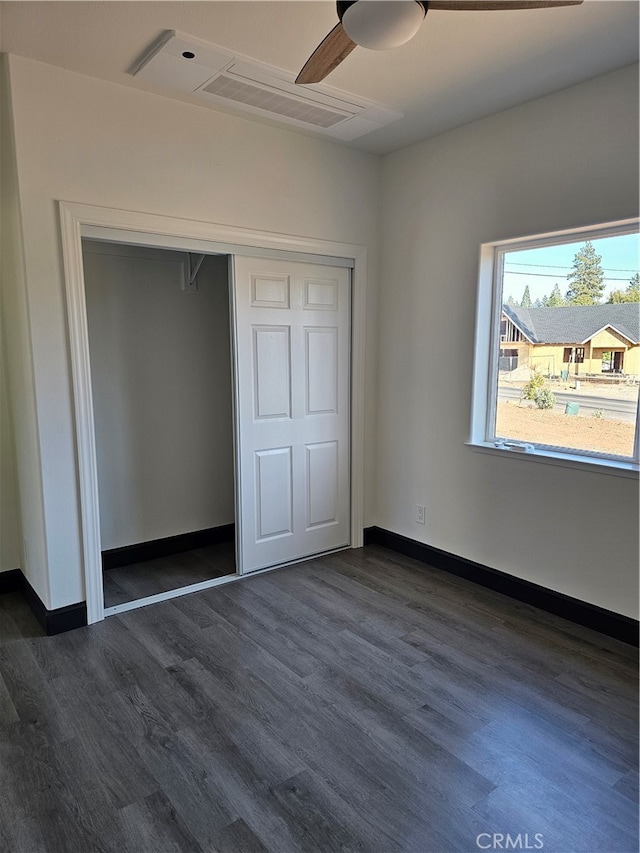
496,5
330,52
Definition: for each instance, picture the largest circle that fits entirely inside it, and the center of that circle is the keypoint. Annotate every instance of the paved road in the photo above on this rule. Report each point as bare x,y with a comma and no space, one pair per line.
617,410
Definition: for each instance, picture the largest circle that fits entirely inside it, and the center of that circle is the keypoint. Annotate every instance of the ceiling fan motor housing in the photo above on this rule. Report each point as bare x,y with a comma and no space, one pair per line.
381,24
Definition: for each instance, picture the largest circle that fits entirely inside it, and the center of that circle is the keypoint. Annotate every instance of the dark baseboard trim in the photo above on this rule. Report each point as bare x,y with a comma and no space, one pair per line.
590,615
52,621
55,621
11,581
129,554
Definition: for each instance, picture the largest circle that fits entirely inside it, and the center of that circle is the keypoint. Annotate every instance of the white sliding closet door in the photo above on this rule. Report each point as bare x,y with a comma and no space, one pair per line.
293,361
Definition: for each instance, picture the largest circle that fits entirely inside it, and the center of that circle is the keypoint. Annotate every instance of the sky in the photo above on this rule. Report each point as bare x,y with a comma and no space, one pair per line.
542,268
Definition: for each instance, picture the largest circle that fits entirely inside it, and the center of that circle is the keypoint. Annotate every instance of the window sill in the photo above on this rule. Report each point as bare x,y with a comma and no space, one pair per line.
563,460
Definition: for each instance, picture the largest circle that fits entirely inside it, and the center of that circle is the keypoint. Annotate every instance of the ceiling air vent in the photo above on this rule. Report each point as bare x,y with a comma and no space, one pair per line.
189,66
272,101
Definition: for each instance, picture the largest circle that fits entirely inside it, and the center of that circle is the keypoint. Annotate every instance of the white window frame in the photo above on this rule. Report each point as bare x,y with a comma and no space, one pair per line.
487,342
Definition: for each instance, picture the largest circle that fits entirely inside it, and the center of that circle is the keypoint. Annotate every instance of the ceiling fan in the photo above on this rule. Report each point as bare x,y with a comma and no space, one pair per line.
383,24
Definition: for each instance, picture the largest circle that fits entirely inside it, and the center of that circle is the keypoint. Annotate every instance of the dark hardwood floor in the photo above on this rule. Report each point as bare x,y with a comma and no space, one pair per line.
138,580
357,702
17,622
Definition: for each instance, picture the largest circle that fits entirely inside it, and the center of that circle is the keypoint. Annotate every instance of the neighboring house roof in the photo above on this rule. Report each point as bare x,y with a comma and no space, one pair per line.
576,324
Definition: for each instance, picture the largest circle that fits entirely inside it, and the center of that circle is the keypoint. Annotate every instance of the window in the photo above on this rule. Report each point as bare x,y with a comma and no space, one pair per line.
508,359
557,367
509,332
573,355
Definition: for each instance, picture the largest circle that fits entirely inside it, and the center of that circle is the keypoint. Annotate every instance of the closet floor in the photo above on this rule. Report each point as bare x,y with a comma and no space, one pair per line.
139,580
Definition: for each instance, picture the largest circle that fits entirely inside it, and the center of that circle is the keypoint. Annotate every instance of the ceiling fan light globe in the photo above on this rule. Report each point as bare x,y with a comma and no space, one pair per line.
383,24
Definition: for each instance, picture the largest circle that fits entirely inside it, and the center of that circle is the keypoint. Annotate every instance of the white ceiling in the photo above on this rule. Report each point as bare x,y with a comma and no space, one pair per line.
460,67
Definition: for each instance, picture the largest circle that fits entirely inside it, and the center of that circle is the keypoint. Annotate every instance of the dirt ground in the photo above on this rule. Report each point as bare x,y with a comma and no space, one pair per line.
538,426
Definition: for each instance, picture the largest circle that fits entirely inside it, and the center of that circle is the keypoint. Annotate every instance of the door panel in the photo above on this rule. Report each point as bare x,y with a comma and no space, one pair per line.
322,484
270,291
321,381
293,387
272,371
274,489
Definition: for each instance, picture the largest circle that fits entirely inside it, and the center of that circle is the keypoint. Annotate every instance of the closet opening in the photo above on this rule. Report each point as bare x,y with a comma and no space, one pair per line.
159,333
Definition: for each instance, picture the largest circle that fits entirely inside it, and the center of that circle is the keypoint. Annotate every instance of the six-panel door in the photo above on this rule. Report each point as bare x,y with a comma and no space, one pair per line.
293,382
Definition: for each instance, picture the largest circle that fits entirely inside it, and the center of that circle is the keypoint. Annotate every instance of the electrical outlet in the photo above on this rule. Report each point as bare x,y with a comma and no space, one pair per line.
420,514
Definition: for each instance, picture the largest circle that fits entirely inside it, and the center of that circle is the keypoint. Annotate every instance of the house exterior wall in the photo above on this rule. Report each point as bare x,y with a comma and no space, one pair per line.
608,339
526,171
85,140
518,354
549,359
631,365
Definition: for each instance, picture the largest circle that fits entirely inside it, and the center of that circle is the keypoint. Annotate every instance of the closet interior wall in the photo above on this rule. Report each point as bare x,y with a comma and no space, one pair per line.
162,392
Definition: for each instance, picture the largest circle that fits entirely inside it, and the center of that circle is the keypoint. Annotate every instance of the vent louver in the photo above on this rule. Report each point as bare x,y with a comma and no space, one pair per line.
271,101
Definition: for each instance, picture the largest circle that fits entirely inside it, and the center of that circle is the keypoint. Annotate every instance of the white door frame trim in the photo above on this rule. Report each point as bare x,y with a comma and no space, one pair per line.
84,220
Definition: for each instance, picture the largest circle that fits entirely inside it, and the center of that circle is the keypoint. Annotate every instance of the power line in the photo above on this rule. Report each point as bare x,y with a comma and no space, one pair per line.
561,267
551,275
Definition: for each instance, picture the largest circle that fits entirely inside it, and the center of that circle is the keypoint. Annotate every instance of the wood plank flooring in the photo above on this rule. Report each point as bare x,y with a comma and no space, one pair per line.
357,702
16,619
138,580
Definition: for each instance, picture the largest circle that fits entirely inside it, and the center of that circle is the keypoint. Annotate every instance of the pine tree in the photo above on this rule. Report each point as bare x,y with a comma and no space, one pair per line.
525,302
556,297
511,302
586,280
631,294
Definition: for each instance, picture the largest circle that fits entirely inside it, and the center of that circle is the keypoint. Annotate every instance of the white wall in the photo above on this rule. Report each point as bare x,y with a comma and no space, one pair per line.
566,160
22,509
161,382
9,510
85,140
